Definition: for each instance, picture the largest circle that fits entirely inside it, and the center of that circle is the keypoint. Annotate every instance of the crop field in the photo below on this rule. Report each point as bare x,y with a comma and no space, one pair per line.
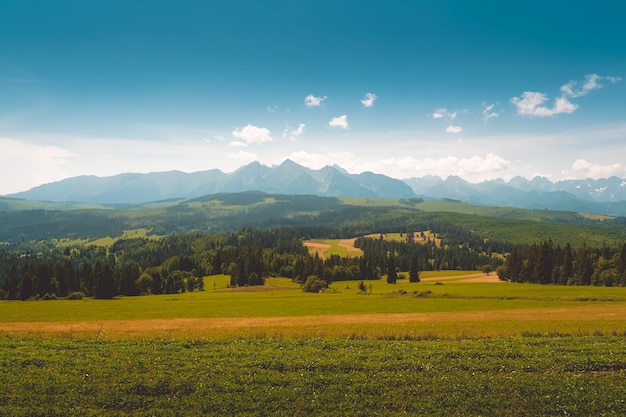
459,304
457,343
327,247
313,376
345,247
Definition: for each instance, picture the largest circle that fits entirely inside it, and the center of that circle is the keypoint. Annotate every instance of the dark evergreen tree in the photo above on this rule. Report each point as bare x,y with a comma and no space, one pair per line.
414,275
26,286
104,281
392,276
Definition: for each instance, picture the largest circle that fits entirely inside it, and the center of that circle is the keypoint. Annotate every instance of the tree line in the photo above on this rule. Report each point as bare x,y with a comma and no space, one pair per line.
178,263
547,263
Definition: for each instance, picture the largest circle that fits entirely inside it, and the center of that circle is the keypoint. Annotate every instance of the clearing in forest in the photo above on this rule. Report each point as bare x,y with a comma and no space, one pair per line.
345,247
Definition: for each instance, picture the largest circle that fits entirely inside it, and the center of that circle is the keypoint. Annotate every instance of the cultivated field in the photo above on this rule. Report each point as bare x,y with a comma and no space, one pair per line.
454,344
345,247
444,305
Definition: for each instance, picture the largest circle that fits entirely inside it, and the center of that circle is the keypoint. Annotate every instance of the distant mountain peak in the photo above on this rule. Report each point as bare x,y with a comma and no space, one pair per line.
602,196
340,169
286,178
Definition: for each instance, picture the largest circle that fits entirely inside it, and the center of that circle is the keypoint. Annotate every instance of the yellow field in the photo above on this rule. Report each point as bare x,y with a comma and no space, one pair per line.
584,320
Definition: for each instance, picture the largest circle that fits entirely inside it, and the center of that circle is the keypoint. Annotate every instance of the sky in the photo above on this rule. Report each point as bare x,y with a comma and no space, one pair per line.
478,89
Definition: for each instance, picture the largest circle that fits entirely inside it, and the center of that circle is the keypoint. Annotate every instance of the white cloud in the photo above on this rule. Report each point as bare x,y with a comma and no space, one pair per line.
24,165
294,134
369,99
313,101
488,112
531,103
339,121
439,113
563,105
591,83
238,144
443,113
584,169
252,134
454,129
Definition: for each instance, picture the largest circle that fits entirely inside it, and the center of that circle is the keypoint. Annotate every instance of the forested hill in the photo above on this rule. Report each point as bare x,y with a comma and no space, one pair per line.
321,217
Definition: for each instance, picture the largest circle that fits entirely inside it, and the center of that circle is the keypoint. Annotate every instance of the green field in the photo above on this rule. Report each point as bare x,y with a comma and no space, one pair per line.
444,305
525,376
448,345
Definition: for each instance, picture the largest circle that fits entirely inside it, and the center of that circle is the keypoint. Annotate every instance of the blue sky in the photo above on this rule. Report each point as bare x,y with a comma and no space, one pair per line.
479,89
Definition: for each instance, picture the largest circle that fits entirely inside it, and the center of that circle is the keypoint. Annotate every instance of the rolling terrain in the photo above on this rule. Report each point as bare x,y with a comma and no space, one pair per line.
319,217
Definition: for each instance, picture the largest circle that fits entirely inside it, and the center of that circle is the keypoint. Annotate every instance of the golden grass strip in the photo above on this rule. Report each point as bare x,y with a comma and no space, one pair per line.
589,319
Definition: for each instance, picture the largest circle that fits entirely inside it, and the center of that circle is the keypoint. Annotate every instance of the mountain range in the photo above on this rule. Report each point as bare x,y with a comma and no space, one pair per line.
602,196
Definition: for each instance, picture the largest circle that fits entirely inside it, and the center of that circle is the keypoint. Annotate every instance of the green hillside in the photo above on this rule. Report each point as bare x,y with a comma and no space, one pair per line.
318,217
18,204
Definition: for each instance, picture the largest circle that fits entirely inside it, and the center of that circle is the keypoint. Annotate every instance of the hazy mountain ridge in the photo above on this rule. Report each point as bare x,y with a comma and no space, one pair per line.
601,196
286,178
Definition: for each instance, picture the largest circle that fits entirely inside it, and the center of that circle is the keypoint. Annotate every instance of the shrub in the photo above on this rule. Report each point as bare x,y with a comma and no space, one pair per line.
314,284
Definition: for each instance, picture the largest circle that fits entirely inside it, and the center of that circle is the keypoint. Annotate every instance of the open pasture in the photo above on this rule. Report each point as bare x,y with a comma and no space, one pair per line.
444,305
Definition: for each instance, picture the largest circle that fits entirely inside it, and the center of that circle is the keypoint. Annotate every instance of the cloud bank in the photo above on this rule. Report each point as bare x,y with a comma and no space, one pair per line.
584,169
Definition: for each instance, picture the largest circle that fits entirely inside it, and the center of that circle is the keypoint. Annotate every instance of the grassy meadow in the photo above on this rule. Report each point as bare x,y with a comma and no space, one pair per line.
457,343
444,305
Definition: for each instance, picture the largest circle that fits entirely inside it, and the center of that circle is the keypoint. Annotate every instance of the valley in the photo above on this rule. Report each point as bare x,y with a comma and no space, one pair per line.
412,293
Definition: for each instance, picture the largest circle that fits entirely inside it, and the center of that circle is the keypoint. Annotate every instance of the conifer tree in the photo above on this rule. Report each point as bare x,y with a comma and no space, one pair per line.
392,276
414,275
